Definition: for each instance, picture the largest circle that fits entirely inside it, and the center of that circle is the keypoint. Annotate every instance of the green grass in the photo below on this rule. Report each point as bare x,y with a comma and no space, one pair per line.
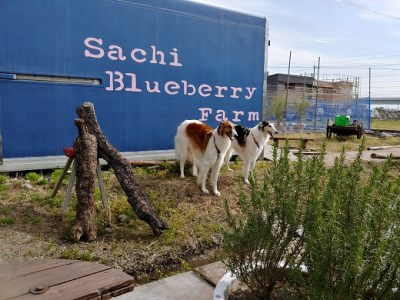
385,124
7,221
3,179
350,143
335,144
35,178
77,255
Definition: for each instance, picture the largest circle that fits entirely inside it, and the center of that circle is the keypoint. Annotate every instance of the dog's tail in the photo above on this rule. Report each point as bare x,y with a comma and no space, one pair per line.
181,140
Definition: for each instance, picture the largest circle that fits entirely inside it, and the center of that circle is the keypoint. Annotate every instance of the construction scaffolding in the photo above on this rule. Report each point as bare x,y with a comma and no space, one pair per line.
313,102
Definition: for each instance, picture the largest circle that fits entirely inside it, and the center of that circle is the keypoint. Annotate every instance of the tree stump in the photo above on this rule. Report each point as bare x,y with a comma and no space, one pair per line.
85,146
123,171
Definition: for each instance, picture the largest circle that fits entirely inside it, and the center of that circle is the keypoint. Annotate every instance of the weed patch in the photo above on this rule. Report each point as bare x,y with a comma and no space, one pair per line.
6,221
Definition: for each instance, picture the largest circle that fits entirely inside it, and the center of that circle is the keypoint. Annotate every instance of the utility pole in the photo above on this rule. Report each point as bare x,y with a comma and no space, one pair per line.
287,91
369,98
316,99
369,84
356,83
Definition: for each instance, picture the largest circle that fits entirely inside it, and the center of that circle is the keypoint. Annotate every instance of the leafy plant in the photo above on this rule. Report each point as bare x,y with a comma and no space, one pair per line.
259,243
277,108
300,107
352,233
347,225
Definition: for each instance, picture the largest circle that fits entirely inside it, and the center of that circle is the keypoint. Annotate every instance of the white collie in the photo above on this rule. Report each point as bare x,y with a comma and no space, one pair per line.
248,145
205,147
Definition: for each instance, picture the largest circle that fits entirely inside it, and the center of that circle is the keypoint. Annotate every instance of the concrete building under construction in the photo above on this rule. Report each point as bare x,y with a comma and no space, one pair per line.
307,87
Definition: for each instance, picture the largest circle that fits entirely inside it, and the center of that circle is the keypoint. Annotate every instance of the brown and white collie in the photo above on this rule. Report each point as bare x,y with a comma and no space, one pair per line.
205,147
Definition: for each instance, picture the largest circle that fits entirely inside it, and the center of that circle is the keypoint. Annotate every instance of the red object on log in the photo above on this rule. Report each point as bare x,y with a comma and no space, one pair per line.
69,152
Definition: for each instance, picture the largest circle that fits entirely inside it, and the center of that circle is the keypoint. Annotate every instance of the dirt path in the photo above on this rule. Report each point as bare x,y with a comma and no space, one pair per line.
350,155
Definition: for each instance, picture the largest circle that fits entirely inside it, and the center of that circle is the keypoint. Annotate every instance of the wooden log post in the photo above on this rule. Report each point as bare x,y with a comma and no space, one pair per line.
123,171
85,146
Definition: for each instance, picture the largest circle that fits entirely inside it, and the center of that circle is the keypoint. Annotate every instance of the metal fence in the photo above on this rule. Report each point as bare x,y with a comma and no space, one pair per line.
385,114
321,111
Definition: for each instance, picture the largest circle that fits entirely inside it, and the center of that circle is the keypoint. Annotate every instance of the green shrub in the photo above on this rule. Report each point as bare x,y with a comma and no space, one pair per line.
352,233
350,222
258,242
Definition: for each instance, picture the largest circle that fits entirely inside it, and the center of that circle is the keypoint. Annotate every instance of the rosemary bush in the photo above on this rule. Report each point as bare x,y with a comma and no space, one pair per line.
349,218
352,233
259,241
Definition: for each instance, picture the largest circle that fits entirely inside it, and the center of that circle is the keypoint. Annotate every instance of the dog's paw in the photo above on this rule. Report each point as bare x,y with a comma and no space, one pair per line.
246,181
182,176
229,169
205,191
217,193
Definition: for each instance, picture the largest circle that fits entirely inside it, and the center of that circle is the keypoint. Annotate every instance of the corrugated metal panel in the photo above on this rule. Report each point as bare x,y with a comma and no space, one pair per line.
145,65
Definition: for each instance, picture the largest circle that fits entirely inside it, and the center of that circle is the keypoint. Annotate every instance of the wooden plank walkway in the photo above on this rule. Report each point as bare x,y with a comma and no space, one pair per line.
61,279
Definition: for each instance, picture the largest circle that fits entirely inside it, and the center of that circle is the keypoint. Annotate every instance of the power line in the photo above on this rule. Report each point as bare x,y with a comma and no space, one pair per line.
370,10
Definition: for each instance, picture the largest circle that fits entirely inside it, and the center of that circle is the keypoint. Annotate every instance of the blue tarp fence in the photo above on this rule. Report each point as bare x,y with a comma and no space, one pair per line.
321,111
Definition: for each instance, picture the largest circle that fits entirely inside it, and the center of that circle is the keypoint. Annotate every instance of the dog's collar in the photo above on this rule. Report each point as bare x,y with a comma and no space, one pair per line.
216,147
254,139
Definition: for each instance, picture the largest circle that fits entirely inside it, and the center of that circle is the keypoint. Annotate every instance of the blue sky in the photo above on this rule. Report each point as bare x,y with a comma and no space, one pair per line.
348,36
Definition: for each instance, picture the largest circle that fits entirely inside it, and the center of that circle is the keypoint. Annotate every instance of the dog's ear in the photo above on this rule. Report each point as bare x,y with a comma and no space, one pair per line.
220,128
263,124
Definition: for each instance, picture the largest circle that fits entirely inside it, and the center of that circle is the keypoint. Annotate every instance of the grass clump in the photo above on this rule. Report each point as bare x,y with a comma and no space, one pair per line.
3,183
6,221
35,178
77,255
3,179
341,223
47,201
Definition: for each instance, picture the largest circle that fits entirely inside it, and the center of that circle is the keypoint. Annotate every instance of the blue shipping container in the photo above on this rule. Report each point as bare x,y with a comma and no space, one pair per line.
145,65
